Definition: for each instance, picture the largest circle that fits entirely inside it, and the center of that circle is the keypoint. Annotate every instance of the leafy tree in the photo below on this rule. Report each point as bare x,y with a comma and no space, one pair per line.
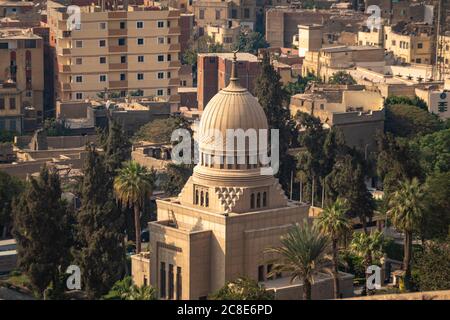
436,222
408,121
100,250
347,181
242,289
7,136
10,188
272,98
293,88
160,130
41,227
368,246
302,254
132,185
341,77
333,221
250,42
125,289
175,178
406,210
56,128
118,148
432,266
396,100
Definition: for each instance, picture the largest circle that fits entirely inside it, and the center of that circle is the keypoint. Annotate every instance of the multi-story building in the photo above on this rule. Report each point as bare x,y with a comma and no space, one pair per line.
227,215
371,37
218,12
411,43
22,78
115,51
15,13
224,35
214,71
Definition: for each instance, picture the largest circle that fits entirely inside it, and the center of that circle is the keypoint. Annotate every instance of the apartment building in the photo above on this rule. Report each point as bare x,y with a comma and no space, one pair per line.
15,13
22,80
214,72
224,35
121,52
411,43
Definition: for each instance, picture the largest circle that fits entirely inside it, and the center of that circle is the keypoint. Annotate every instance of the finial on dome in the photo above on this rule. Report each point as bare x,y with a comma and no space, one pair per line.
234,73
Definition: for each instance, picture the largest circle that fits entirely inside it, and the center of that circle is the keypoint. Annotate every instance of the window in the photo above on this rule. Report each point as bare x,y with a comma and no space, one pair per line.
419,45
160,24
4,45
206,193
12,125
247,13
102,78
102,25
122,77
160,58
201,14
140,41
261,273
121,41
233,14
168,40
179,283
102,60
258,200
79,79
102,43
123,59
418,60
78,96
140,58
30,43
393,43
217,14
160,92
12,103
168,74
139,25
122,25
140,76
79,44
252,201
162,280
160,40
196,199
264,201
78,61
160,75
169,57
171,281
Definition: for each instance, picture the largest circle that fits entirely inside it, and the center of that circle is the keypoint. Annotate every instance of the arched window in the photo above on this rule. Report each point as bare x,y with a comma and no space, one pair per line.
264,204
201,198
196,197
252,201
258,200
206,199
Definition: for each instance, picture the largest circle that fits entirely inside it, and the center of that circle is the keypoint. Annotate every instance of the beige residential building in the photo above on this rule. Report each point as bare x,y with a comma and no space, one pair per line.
123,52
414,44
226,216
21,80
224,35
370,37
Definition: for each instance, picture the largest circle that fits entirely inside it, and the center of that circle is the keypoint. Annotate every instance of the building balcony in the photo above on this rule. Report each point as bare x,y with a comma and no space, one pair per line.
117,32
66,87
66,51
64,68
118,49
118,84
118,66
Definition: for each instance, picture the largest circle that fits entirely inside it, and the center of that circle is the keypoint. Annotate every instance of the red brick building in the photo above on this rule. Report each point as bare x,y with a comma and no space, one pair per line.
214,70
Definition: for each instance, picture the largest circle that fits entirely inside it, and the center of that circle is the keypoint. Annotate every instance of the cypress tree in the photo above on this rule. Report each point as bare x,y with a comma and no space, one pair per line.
41,227
117,149
273,99
100,251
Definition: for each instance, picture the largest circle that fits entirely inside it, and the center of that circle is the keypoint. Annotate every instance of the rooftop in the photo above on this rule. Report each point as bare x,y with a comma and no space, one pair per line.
229,55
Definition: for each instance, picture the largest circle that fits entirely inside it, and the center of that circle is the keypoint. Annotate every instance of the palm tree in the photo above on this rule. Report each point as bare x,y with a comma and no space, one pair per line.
132,185
333,221
406,210
302,255
368,246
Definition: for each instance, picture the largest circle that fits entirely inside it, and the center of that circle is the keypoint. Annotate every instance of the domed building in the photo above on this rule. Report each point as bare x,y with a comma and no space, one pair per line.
227,214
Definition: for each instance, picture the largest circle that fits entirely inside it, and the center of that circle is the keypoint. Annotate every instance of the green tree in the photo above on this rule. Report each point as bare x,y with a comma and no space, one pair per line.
100,250
117,149
406,209
302,254
395,100
293,88
7,136
432,266
10,188
250,42
160,130
175,178
341,77
41,227
272,98
56,128
333,221
368,246
133,184
408,121
125,289
242,289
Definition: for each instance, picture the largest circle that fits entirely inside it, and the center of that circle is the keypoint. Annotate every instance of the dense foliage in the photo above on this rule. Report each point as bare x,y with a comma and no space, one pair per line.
242,289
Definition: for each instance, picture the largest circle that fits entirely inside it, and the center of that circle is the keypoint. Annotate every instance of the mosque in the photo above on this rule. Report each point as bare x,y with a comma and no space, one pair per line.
226,216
